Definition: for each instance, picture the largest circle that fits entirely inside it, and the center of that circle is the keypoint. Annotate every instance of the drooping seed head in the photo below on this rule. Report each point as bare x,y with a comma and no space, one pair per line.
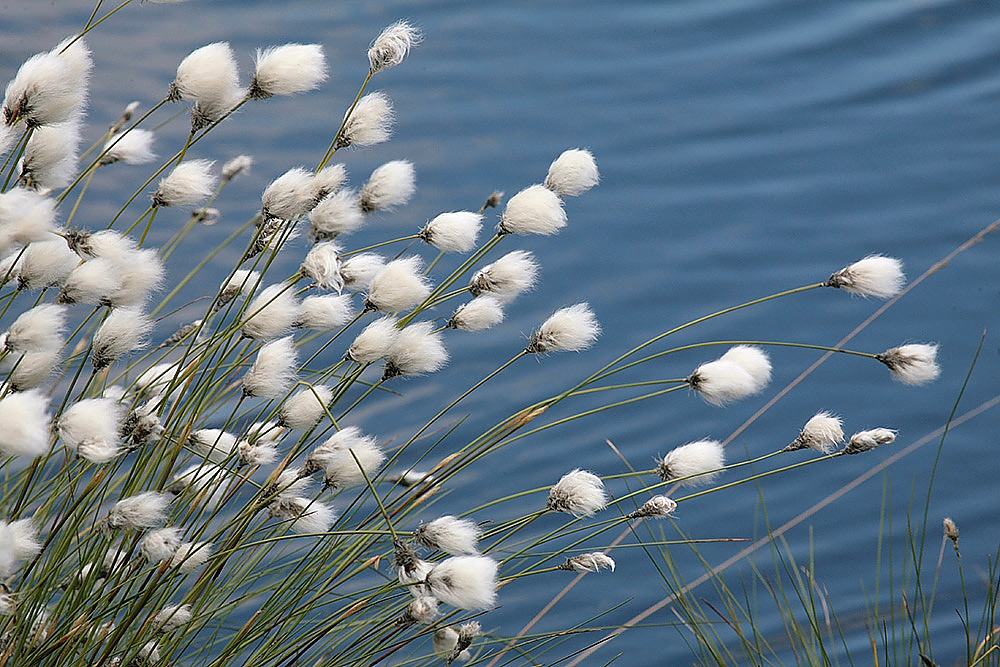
876,275
914,364
694,463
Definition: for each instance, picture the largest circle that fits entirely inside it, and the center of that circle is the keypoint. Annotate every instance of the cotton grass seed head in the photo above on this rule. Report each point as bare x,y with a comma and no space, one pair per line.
449,534
24,424
445,643
161,544
572,173
25,217
753,360
533,210
18,542
723,381
306,407
400,285
465,582
392,45
188,184
45,264
370,123
32,369
132,147
90,426
235,166
339,213
172,618
592,562
140,274
579,493
453,232
191,556
328,181
90,282
512,274
304,515
692,464
123,330
207,76
359,270
389,186
876,275
242,282
273,373
146,510
326,311
914,364
823,432
212,444
418,349
51,155
288,196
480,314
272,313
423,610
41,328
864,441
49,87
656,507
374,341
322,266
951,530
573,328
288,70
347,458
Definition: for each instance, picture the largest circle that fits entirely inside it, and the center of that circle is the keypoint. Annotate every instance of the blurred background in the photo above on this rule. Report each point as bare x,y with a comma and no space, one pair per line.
745,147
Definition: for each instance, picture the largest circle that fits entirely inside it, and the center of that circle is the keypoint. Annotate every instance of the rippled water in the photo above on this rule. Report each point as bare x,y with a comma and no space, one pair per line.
745,147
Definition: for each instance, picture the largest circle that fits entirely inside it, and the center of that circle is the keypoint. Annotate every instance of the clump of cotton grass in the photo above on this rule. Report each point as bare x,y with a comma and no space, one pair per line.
876,275
464,582
90,282
398,286
449,534
188,184
573,328
49,87
273,372
423,610
369,123
242,282
288,196
533,210
657,507
322,266
124,330
272,313
864,441
913,364
191,556
213,444
146,510
306,407
572,173
359,270
140,274
304,515
18,542
91,428
323,312
328,181
512,274
592,562
417,349
41,328
374,341
823,432
392,45
209,77
346,458
390,186
45,264
25,217
453,232
445,643
481,313
579,493
24,424
744,373
32,369
692,464
288,70
233,167
172,618
161,544
339,213
50,156
133,147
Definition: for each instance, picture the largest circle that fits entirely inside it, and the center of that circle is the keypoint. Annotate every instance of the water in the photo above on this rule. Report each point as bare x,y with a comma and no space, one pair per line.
745,147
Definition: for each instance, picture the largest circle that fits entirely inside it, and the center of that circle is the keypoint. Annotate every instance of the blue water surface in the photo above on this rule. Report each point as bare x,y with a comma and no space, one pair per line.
745,147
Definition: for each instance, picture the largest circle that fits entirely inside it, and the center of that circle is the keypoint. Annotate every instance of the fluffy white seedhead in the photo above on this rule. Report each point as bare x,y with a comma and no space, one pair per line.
146,510
49,87
328,180
358,271
389,186
863,441
272,313
423,610
289,196
400,285
347,458
207,76
418,349
124,330
876,275
25,217
533,210
45,264
914,364
465,582
445,643
32,369
191,556
573,328
213,444
592,562
453,232
206,482
823,432
18,542
24,424
235,166
92,424
157,378
327,311
91,282
322,265
374,341
189,183
133,147
479,314
720,382
450,534
273,373
106,244
656,507
141,273
159,545
306,407
694,463
370,123
339,213
572,173
41,328
288,70
507,277
172,618
242,282
305,516
50,156
392,45
579,493
258,453
753,360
